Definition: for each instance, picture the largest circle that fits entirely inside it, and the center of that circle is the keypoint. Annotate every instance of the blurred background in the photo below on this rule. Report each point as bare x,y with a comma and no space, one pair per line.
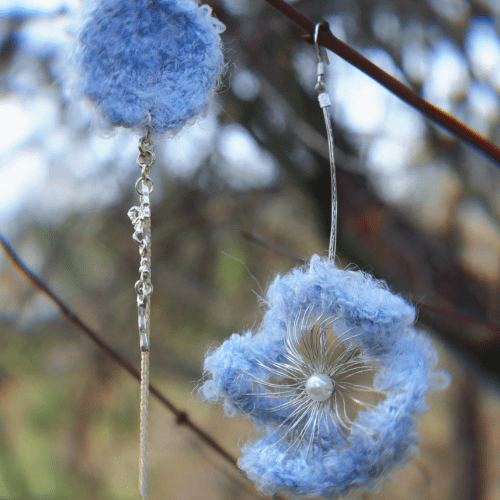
416,208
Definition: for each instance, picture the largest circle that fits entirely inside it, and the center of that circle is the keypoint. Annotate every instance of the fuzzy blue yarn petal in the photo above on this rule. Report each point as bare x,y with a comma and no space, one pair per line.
407,364
158,56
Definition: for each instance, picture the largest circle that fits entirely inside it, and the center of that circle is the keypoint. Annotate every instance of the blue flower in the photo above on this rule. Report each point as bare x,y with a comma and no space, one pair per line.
333,380
140,56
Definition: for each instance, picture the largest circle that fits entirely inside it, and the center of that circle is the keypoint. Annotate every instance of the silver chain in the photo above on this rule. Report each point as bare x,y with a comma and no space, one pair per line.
325,103
141,219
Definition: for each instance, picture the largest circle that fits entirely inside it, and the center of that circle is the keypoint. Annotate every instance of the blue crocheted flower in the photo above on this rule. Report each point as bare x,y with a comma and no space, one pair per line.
333,380
158,56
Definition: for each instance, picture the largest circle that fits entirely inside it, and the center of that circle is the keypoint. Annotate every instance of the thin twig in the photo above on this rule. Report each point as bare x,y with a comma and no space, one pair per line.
271,245
353,57
182,417
458,316
471,430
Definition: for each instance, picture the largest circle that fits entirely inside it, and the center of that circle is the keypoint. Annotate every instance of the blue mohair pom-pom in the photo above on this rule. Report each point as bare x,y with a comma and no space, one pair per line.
329,441
141,56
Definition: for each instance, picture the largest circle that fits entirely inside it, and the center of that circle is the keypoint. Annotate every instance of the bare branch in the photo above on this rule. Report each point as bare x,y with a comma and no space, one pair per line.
182,418
353,57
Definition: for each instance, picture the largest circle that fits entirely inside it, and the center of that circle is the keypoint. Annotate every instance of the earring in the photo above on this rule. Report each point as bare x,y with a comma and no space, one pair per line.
148,65
333,379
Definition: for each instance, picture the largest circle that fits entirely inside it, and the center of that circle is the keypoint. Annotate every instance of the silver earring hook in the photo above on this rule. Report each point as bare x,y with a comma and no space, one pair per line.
322,54
322,58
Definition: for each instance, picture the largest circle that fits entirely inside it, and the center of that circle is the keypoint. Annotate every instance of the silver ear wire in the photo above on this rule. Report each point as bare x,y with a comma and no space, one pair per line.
325,103
320,53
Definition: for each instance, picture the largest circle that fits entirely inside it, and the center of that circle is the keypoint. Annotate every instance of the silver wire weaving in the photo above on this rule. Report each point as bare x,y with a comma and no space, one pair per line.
325,103
141,219
322,381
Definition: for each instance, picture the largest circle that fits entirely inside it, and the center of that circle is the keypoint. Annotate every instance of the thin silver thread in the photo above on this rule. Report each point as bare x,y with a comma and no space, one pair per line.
312,347
325,103
143,453
141,219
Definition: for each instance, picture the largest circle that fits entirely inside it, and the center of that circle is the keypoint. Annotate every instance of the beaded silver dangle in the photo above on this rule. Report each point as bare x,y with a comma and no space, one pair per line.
141,219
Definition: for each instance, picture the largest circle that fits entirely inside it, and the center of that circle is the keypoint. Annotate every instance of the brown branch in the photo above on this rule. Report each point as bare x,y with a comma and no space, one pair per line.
460,317
471,430
272,246
182,418
353,57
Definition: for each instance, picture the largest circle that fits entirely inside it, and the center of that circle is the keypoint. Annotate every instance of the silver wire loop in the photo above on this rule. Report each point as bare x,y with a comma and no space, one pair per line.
325,102
144,288
146,158
146,181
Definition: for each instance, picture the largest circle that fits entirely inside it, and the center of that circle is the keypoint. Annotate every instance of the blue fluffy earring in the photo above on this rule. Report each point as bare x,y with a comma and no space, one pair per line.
149,56
149,65
334,378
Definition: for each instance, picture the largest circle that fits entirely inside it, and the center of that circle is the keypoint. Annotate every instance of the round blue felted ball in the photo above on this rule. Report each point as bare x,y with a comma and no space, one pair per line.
158,56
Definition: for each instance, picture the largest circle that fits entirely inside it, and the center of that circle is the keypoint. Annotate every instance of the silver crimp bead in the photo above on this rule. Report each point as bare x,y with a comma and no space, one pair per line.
324,99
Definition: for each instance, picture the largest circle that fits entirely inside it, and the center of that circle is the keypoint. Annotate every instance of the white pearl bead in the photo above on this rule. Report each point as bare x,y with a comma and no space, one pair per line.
319,387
